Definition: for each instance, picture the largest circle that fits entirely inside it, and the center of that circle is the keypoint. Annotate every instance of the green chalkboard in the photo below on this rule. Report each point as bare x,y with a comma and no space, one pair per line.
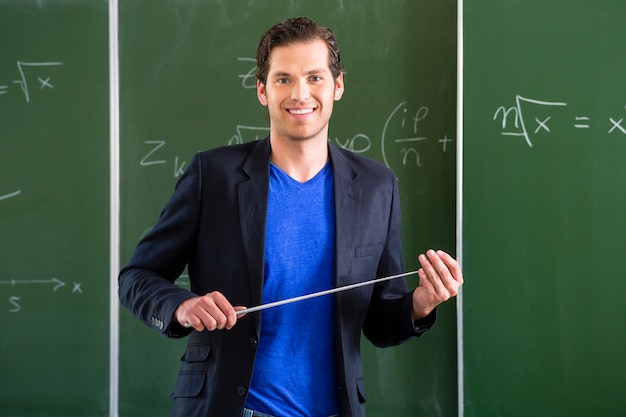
54,209
544,208
187,84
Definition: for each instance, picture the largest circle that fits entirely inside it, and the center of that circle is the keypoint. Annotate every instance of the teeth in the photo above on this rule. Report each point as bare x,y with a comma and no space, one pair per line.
301,111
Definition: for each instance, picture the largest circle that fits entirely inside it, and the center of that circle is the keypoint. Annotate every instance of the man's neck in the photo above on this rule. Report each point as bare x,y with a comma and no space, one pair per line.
301,160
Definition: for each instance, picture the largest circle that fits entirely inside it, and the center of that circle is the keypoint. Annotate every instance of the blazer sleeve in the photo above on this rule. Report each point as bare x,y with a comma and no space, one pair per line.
146,283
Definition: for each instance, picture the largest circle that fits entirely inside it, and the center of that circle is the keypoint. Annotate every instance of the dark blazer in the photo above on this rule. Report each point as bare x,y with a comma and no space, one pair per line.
215,224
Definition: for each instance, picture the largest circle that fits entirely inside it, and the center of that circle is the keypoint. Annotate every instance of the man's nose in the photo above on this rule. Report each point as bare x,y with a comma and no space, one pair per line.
301,91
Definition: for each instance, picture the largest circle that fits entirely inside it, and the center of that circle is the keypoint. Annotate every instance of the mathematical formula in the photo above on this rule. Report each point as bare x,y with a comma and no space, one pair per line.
405,148
14,302
32,75
514,121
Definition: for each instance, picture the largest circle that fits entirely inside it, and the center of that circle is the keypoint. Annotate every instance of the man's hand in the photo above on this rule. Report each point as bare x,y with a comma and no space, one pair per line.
440,280
211,312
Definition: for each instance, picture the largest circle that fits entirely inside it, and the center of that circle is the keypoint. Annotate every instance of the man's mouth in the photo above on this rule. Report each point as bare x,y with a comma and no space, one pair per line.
301,111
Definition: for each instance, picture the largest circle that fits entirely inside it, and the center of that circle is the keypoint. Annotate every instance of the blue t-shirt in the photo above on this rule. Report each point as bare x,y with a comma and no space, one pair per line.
294,373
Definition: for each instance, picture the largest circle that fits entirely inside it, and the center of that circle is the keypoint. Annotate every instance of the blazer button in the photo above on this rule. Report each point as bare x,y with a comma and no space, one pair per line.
253,343
241,391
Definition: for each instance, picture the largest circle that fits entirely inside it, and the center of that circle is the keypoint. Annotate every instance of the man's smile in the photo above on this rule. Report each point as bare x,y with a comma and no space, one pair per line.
301,111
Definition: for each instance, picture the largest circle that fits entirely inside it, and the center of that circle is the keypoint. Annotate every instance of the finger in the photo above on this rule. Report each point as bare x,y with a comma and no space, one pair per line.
425,297
211,311
196,315
453,266
432,276
225,314
201,321
448,270
444,266
240,308
438,264
216,312
210,315
185,316
425,281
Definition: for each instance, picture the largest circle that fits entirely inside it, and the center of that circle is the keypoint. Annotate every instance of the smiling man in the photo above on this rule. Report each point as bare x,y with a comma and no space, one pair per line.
274,219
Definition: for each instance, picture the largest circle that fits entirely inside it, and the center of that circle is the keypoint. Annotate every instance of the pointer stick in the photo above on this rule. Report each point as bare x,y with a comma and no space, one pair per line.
320,293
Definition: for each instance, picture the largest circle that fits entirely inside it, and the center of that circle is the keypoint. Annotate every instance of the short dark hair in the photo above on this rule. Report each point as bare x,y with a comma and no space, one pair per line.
298,29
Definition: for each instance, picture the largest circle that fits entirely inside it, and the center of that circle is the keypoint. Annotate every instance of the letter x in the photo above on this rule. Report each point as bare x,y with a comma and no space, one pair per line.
45,83
542,125
617,125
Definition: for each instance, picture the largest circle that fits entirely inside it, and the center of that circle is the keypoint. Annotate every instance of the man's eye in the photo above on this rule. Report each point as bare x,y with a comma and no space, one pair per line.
316,78
282,81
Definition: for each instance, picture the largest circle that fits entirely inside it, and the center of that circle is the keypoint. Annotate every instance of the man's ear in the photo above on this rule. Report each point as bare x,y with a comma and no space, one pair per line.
260,92
339,87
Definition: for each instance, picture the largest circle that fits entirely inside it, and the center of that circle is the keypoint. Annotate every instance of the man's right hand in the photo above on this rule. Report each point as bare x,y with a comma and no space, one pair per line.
211,312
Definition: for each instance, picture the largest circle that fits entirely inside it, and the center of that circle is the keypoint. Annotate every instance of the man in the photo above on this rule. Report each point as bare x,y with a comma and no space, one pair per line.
272,219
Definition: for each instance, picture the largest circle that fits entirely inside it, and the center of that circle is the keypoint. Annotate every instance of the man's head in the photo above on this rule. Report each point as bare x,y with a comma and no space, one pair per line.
300,29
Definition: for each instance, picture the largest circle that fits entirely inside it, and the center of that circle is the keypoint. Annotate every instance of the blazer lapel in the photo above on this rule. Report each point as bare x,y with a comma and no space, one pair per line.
347,197
252,195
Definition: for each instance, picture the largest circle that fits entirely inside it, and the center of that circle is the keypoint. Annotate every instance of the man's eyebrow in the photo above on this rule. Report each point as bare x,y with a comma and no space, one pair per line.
316,71
280,74
310,72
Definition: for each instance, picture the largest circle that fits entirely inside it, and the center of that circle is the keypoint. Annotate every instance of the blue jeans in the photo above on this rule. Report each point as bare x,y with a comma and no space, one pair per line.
251,413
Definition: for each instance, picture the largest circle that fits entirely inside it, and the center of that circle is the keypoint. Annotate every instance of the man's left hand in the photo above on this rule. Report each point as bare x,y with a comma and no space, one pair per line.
440,279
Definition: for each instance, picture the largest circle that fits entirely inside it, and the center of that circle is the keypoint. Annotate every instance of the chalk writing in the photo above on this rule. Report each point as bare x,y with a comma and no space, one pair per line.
582,122
514,120
151,158
617,125
10,195
406,147
27,79
248,134
444,142
54,281
359,143
56,284
145,160
520,128
248,80
14,301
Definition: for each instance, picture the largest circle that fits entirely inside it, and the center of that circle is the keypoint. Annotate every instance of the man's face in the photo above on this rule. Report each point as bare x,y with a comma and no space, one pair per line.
300,91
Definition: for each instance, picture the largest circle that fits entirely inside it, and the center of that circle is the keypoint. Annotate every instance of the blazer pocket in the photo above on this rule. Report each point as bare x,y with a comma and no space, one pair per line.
189,385
193,370
368,250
